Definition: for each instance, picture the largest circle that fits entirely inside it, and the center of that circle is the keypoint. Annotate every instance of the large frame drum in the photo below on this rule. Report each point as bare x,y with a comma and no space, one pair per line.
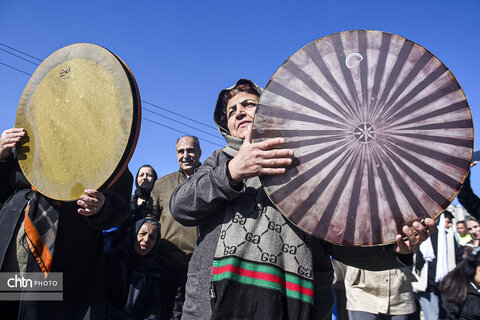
81,110
381,131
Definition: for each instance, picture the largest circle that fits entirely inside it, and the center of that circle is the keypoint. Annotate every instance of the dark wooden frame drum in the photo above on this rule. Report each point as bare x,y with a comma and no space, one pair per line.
82,112
381,131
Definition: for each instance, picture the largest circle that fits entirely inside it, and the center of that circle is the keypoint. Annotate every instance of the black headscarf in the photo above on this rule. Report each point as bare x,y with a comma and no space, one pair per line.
147,264
134,282
142,193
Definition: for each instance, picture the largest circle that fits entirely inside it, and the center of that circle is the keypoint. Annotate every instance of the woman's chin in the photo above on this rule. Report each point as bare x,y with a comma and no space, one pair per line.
143,251
242,133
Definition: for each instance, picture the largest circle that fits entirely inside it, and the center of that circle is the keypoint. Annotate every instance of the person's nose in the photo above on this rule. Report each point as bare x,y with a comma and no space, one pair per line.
147,238
240,112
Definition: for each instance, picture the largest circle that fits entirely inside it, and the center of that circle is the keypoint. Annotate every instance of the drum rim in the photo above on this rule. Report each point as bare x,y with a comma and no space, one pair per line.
254,138
134,129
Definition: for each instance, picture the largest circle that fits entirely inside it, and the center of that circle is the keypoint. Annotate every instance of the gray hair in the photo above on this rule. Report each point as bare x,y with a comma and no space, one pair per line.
196,143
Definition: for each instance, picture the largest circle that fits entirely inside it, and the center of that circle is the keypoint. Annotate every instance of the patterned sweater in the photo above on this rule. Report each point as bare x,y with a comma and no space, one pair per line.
250,261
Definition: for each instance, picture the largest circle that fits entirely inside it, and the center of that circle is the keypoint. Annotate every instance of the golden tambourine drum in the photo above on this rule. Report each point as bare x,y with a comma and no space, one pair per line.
381,131
81,111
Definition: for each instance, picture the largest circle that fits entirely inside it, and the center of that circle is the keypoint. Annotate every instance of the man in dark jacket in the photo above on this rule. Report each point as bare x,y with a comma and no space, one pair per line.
77,247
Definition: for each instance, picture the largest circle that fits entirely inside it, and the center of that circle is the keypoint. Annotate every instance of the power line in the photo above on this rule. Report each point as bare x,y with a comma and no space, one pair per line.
179,122
182,132
180,115
7,65
16,55
21,52
144,101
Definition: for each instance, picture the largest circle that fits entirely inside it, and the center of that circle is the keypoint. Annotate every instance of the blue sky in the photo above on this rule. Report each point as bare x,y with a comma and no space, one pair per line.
183,52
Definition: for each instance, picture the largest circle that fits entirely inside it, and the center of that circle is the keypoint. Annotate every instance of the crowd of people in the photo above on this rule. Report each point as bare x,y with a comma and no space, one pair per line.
444,282
206,242
435,287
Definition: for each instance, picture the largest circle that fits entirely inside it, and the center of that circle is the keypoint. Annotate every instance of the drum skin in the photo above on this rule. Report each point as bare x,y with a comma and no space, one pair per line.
381,131
81,111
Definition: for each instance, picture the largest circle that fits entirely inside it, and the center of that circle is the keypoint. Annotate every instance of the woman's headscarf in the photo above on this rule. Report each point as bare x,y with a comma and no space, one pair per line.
219,115
147,264
139,192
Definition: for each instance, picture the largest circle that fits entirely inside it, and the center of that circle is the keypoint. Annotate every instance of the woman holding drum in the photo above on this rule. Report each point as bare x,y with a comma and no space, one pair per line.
67,178
72,244
250,261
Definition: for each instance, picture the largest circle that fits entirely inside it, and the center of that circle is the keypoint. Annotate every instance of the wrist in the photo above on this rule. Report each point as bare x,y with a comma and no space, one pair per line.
233,179
6,156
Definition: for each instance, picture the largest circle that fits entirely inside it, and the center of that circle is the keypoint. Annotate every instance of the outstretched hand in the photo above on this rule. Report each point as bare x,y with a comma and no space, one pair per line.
256,159
414,236
91,202
9,140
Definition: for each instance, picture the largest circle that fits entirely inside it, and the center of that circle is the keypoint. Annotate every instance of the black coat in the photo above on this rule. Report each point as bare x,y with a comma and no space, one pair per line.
469,311
468,199
136,285
78,250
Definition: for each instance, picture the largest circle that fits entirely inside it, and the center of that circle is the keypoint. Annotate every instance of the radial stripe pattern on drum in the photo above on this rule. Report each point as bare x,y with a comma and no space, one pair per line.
382,135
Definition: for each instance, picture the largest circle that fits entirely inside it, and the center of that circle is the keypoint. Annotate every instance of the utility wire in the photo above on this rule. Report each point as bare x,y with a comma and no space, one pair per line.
144,101
178,114
40,60
16,55
7,65
146,119
182,132
179,122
